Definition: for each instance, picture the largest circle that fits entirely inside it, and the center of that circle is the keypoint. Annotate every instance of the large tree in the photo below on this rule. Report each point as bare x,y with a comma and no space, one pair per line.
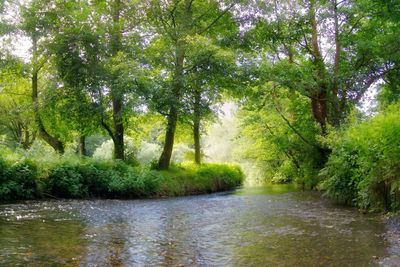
95,54
319,43
329,52
174,23
213,74
37,23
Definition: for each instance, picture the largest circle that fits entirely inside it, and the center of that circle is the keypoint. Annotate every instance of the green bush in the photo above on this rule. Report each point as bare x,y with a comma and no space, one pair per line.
74,177
96,177
364,169
185,179
66,181
18,180
223,176
135,183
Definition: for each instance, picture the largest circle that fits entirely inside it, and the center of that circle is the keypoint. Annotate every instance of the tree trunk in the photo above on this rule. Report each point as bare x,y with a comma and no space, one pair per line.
196,127
318,106
82,145
29,138
177,87
118,129
117,97
172,118
336,114
318,96
165,158
56,144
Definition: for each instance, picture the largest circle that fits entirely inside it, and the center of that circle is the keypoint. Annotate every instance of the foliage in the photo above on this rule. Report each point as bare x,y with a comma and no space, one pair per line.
73,177
363,169
188,178
106,150
148,152
15,103
148,75
280,136
18,180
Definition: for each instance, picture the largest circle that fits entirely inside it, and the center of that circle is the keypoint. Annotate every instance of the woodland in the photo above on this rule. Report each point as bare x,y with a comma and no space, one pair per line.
117,98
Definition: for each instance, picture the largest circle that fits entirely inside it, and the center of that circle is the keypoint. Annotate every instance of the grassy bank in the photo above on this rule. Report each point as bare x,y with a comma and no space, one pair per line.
72,177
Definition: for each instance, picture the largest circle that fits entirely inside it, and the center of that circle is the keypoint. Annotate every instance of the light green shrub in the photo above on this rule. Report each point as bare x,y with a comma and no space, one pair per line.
364,168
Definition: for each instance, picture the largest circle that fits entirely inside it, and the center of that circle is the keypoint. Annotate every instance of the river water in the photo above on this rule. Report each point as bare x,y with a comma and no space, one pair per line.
265,226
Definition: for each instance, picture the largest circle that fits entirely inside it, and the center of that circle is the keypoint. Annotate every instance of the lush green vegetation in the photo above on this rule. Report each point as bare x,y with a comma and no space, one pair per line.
73,177
143,82
363,168
304,119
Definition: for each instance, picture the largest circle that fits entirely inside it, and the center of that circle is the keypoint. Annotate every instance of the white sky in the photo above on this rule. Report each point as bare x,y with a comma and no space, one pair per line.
368,103
18,45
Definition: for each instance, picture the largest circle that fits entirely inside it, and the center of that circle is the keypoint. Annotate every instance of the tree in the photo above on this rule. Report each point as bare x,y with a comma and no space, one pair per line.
98,62
321,39
211,75
15,103
174,23
37,20
377,44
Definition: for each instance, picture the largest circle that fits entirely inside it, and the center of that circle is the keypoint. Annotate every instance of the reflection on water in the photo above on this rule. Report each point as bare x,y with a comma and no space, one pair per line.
270,226
35,233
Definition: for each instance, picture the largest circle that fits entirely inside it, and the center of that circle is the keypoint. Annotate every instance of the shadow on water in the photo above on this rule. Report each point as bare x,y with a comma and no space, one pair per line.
261,226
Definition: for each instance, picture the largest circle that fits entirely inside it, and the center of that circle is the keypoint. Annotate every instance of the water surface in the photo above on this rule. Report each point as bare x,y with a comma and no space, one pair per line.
264,226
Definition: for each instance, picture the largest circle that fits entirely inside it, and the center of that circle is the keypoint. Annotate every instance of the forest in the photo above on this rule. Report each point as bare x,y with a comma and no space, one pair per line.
128,98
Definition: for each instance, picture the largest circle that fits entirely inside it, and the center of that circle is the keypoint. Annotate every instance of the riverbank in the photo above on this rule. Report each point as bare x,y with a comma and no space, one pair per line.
88,178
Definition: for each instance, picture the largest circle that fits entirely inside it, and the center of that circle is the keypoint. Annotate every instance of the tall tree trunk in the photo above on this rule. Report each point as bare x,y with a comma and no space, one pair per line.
177,87
119,145
82,145
56,144
172,118
335,89
319,96
165,158
117,97
196,127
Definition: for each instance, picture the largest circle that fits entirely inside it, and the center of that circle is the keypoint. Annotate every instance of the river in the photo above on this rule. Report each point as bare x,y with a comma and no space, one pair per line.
264,226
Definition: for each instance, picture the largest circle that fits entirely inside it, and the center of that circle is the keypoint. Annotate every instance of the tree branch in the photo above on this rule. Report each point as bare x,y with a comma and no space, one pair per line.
108,129
217,18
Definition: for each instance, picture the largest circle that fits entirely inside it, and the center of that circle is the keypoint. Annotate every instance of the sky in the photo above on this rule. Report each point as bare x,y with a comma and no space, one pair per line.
20,45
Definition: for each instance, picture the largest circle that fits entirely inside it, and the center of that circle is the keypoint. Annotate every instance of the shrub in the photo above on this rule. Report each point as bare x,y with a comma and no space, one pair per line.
18,181
187,179
222,176
66,181
96,176
135,183
74,177
363,168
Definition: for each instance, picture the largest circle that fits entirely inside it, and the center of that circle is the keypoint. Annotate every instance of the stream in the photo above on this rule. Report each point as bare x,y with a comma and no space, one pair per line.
262,226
